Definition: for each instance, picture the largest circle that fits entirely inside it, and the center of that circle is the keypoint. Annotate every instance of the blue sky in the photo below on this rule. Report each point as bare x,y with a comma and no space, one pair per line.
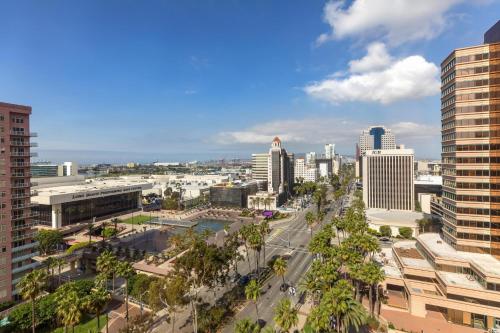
145,80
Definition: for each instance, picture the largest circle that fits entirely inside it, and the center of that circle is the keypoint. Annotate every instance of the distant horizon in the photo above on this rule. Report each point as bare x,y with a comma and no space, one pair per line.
86,157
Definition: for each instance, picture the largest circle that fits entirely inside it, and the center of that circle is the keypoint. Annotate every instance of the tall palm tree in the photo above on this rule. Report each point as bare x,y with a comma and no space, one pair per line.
59,262
279,268
267,203
30,287
252,292
255,241
69,310
95,302
285,315
126,271
310,221
90,230
372,275
265,230
244,233
245,325
252,202
106,264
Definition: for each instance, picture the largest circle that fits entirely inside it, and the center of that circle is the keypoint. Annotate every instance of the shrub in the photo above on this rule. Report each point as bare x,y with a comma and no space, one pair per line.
385,231
6,305
48,240
405,232
373,232
77,246
109,232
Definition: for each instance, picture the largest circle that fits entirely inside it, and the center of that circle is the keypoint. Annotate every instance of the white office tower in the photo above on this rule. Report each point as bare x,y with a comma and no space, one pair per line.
329,150
388,179
280,169
311,175
300,169
259,166
68,169
311,158
375,138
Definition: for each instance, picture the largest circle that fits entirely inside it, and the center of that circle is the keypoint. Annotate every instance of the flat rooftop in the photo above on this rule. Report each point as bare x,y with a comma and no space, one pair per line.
393,217
89,190
460,280
485,262
386,259
410,256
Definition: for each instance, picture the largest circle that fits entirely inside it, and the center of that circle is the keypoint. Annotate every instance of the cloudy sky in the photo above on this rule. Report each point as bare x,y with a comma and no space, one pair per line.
143,80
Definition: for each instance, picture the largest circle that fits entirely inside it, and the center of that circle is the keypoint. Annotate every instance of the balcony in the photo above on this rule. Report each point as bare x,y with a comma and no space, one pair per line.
25,267
24,205
24,257
24,247
23,144
20,195
19,165
25,216
24,236
23,133
20,185
19,175
23,226
23,154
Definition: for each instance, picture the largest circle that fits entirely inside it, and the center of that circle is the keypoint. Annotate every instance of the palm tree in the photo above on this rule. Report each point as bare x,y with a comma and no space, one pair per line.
69,310
30,287
279,268
264,231
255,241
95,302
90,230
106,264
285,315
245,325
258,201
372,275
126,271
252,292
310,221
252,202
59,262
245,232
267,203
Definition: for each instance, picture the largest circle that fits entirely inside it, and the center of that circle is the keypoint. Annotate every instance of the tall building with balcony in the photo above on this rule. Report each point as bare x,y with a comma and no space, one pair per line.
17,236
470,113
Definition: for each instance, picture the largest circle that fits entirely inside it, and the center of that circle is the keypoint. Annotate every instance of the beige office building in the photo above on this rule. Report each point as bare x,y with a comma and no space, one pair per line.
457,275
388,179
259,166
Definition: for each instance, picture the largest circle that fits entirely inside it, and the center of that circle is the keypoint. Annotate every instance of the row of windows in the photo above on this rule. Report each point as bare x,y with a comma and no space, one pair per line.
488,238
448,66
448,90
475,173
471,135
477,83
472,57
471,96
478,224
473,160
477,186
448,102
472,70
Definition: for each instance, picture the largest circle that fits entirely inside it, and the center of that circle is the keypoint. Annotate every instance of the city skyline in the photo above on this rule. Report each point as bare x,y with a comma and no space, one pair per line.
162,87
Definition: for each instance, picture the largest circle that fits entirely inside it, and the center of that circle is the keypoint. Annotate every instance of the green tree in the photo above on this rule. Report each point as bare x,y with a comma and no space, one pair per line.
285,315
30,288
405,232
106,264
252,292
256,241
265,230
69,310
90,231
48,240
310,219
385,231
245,325
422,224
96,302
126,271
371,274
279,268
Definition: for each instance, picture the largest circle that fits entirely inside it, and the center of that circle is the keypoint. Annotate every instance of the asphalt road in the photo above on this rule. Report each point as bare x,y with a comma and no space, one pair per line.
294,233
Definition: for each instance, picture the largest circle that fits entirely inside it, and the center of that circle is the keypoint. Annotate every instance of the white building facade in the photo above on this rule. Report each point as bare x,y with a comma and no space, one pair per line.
388,179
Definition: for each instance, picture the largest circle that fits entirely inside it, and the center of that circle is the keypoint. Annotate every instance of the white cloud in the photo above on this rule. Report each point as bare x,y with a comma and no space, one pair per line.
377,77
376,58
317,131
397,21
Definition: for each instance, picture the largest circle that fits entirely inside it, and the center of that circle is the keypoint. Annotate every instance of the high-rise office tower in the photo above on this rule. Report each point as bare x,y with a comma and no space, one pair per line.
470,113
311,158
17,242
329,150
388,179
259,166
376,137
280,169
300,169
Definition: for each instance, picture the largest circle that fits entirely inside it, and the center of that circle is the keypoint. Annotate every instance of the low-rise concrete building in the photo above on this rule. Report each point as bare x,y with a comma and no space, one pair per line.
428,275
394,219
60,206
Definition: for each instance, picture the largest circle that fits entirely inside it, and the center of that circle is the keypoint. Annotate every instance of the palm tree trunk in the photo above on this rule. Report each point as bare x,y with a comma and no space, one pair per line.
173,322
370,299
248,258
126,299
113,281
107,322
33,315
377,301
257,310
98,320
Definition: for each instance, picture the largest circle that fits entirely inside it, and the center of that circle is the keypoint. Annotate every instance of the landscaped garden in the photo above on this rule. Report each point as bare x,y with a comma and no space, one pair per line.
139,219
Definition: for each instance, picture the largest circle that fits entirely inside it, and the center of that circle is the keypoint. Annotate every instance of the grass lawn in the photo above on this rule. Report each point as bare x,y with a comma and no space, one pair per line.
139,219
87,325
